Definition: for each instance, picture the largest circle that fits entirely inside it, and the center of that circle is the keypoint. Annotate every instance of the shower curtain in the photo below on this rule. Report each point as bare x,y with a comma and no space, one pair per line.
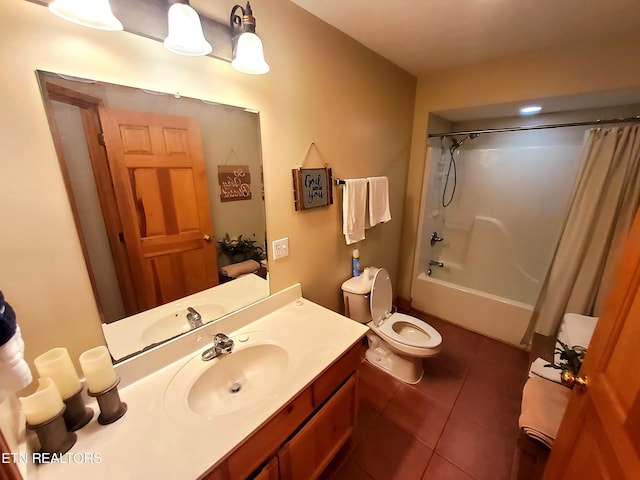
604,201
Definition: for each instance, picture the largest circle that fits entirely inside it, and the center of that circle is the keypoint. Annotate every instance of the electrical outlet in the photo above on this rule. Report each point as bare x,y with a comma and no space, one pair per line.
280,248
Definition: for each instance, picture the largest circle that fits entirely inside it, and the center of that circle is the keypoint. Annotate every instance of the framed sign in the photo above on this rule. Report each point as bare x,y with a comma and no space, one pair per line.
235,182
312,188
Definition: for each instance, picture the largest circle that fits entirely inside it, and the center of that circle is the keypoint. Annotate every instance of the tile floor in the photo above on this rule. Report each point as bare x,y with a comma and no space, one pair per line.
460,422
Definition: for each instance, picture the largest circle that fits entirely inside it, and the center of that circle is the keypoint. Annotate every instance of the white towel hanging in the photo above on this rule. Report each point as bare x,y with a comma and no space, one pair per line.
354,205
378,200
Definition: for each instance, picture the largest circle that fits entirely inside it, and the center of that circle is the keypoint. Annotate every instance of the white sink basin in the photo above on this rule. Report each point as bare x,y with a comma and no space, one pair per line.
237,382
175,323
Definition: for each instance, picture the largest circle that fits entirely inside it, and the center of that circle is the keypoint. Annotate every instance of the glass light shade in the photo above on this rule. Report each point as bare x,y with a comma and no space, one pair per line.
185,32
249,56
89,13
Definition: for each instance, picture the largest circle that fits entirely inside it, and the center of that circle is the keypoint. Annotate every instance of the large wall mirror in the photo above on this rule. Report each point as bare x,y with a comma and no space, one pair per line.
168,199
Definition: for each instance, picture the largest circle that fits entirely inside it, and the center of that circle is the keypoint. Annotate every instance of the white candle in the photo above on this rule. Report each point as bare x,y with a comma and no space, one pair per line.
98,369
56,364
43,405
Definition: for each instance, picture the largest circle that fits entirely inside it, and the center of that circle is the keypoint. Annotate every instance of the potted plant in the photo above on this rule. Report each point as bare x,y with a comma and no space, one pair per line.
237,249
570,363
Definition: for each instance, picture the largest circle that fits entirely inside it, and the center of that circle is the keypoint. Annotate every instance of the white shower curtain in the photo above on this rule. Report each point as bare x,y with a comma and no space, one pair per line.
604,201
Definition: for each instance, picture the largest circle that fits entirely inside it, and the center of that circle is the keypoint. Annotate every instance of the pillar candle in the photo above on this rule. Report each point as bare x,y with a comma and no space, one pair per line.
56,364
98,369
43,405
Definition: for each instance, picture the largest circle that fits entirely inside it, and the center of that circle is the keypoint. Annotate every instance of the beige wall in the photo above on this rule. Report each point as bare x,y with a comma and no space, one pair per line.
323,87
577,69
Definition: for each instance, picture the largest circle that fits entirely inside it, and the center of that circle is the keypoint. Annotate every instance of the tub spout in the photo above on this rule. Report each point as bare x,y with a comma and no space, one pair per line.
434,263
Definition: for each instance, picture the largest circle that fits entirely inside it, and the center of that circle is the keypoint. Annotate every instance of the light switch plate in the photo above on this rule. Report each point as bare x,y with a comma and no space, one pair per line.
280,248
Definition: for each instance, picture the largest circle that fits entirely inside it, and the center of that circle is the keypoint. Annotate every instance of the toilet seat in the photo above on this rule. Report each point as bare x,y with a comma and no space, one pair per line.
410,331
398,328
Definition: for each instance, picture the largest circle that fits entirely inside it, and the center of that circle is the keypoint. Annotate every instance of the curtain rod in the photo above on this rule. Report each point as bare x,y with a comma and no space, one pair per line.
537,127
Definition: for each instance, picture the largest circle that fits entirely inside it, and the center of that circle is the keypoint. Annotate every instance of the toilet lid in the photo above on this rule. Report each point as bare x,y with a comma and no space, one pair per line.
381,297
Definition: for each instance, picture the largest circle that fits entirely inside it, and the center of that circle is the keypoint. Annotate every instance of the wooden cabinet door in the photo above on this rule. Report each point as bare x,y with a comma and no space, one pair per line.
309,452
158,173
599,437
269,471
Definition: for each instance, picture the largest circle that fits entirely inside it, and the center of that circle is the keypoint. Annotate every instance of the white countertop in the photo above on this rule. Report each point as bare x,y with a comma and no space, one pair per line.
159,440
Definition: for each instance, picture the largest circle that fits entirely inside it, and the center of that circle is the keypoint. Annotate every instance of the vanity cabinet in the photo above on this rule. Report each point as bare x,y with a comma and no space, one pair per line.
308,453
302,438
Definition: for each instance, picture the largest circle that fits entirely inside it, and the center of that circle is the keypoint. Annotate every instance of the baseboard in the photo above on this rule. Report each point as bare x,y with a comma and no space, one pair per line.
403,304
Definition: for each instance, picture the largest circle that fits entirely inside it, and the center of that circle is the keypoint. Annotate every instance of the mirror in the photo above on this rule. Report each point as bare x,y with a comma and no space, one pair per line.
167,196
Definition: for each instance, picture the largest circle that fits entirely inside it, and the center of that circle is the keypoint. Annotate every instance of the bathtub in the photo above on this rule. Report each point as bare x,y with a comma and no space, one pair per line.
487,314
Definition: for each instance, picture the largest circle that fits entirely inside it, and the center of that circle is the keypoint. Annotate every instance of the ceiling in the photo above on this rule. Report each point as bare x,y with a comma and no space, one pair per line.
424,36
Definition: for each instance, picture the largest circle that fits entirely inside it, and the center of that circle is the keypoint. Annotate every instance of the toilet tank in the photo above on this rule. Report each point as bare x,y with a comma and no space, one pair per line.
356,293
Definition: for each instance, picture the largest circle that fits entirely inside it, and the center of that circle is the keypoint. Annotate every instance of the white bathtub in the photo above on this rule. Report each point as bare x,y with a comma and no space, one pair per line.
490,315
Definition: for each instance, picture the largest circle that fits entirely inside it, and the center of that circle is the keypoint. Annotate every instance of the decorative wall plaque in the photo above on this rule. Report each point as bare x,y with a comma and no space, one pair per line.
235,182
312,188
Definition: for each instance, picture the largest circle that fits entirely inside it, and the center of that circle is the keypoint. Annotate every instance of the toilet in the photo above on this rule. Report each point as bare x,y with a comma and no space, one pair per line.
397,342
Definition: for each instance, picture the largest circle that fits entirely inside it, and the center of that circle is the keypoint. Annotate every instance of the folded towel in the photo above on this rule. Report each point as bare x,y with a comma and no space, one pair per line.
378,200
236,269
7,321
543,406
354,205
578,329
538,368
15,373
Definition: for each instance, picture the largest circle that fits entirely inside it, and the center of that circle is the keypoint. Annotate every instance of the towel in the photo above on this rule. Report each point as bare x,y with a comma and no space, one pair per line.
236,269
577,329
15,373
7,321
543,406
538,368
378,200
354,205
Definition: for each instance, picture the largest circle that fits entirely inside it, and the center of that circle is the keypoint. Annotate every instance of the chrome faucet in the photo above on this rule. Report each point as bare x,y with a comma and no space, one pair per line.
434,263
435,238
194,318
221,344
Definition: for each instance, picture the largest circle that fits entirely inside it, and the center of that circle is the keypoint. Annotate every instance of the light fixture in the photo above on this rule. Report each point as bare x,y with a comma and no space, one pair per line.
90,13
185,32
249,54
530,109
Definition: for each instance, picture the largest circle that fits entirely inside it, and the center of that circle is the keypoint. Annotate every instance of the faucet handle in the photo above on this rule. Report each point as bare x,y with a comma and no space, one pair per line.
223,343
194,318
435,238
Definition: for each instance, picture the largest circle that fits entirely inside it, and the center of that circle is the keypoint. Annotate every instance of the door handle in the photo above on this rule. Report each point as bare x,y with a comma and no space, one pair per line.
569,379
206,238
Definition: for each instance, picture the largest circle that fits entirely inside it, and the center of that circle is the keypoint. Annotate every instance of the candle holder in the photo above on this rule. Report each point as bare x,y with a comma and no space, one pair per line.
76,415
53,435
111,407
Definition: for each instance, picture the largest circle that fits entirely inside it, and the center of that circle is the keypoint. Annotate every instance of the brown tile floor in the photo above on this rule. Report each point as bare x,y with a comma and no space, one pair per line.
460,422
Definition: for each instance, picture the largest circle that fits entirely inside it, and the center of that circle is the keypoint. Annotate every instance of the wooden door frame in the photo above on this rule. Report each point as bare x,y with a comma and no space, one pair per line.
89,106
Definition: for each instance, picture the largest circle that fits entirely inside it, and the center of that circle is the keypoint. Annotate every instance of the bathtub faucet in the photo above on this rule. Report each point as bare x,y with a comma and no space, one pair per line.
435,238
434,263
